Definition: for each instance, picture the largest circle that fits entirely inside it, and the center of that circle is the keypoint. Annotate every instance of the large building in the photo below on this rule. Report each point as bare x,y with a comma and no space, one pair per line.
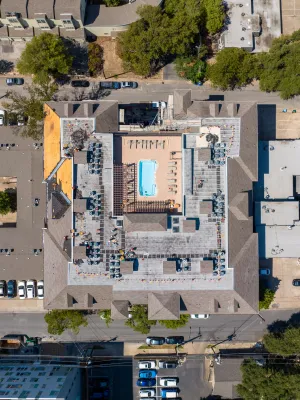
38,381
78,20
151,214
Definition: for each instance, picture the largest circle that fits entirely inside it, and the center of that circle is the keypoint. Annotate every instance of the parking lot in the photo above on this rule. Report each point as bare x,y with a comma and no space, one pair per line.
190,374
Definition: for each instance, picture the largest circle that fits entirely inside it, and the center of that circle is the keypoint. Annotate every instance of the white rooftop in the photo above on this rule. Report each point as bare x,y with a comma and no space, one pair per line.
279,212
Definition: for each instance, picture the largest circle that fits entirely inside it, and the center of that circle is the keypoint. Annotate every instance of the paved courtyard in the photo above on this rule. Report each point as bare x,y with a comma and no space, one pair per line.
290,11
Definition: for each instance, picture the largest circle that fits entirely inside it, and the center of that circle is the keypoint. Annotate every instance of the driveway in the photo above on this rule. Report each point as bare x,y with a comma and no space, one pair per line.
285,270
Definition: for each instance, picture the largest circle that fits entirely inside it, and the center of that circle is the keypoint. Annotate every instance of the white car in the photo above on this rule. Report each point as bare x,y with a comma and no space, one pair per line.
2,116
22,289
168,382
30,289
200,316
146,393
147,364
40,290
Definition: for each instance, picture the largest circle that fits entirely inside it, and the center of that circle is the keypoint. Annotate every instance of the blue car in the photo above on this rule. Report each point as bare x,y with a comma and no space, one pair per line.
146,382
147,373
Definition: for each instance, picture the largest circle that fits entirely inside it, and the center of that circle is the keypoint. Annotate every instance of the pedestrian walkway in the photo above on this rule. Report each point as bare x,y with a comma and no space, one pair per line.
21,306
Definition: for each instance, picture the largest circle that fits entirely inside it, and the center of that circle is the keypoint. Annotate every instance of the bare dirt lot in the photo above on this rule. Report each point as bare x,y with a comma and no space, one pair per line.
113,67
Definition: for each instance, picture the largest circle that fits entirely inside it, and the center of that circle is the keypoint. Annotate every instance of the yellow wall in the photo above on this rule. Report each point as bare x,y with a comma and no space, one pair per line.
51,140
64,177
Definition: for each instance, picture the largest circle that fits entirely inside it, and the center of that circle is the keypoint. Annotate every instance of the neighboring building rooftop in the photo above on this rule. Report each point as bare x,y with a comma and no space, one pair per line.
227,376
153,215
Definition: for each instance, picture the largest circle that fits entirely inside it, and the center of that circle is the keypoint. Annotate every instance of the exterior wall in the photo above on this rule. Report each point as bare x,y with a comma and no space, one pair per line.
39,381
105,31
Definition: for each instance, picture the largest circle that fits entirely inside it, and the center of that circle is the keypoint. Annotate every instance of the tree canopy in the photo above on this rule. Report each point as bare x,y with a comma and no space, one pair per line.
175,324
95,58
139,321
5,203
45,55
214,15
106,315
269,382
31,107
266,296
190,68
60,320
285,342
112,3
279,69
233,68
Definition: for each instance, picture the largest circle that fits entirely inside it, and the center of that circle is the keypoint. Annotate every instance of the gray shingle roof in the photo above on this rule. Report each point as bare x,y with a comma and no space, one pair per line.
227,376
164,306
67,7
119,309
58,205
145,222
35,7
18,6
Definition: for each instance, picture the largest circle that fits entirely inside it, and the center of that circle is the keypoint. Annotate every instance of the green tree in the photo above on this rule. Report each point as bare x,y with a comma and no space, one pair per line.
31,107
191,68
60,320
214,15
266,296
269,383
285,343
112,3
139,321
106,315
95,58
45,55
175,324
279,69
233,68
5,203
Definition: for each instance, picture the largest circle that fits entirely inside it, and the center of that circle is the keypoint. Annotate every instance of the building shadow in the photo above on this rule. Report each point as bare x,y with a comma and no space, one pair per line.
266,114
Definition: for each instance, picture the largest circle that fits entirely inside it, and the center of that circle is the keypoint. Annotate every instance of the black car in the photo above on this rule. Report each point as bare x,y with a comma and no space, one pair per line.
296,282
11,289
174,339
80,83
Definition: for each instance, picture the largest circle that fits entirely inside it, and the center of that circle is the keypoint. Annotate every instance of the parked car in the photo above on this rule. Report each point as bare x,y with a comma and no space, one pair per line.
11,289
12,119
147,364
264,271
147,393
80,83
147,373
174,339
169,393
22,289
296,282
2,117
168,382
167,364
21,120
40,290
155,340
62,80
14,81
146,382
3,290
109,85
30,289
132,85
200,316
103,383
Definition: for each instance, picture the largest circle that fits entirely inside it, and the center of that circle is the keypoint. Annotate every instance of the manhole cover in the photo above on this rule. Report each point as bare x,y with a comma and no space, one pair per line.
7,49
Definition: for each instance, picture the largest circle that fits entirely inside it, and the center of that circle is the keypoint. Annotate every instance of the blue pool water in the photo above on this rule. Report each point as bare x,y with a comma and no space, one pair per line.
147,186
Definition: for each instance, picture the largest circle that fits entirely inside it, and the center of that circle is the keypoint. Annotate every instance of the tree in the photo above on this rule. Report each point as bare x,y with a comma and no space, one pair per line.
45,54
214,15
112,3
5,203
106,315
233,68
139,321
266,296
95,58
270,383
175,324
60,320
31,107
190,68
279,69
285,343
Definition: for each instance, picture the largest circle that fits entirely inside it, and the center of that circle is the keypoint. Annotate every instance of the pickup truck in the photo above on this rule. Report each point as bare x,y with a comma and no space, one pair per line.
109,85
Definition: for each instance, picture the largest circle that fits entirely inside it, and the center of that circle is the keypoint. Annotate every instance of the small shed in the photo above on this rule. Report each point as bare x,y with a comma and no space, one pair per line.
79,252
206,207
188,226
126,267
169,267
206,266
80,157
79,205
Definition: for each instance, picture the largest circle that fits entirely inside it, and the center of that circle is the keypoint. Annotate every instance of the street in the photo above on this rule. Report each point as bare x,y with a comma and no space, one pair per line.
218,327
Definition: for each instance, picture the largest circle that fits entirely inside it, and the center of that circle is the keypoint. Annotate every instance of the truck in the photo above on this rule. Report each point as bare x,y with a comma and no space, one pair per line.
11,342
109,85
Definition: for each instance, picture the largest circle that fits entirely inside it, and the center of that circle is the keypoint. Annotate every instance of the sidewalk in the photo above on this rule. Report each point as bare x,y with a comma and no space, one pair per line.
21,306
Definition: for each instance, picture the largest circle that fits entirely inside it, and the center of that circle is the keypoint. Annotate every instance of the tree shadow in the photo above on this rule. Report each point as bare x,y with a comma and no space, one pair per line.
6,66
12,192
79,52
279,326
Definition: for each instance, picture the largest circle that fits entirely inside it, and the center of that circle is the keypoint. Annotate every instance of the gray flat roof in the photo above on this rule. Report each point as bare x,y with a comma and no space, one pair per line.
282,242
277,212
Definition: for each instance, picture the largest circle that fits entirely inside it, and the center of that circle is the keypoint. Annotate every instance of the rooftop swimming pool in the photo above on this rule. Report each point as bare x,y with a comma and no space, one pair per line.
147,179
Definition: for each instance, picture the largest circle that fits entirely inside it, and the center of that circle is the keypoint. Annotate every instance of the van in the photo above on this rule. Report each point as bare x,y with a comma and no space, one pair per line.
169,393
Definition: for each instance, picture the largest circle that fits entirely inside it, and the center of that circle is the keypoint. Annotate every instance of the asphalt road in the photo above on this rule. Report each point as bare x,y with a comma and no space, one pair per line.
216,328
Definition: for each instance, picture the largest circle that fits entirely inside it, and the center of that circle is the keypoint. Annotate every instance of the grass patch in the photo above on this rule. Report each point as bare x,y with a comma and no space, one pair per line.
164,346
